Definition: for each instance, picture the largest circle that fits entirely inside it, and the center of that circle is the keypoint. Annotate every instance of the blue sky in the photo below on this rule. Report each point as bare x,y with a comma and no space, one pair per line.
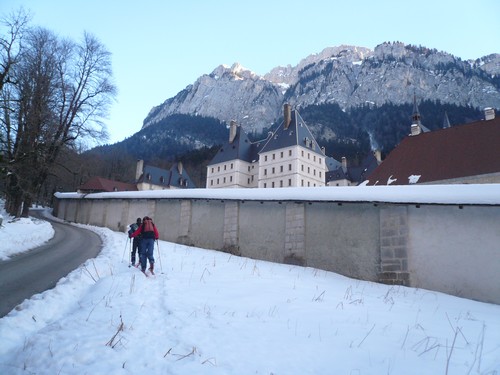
160,47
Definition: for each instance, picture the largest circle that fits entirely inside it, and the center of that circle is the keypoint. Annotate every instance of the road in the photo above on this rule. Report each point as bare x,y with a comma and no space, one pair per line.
40,269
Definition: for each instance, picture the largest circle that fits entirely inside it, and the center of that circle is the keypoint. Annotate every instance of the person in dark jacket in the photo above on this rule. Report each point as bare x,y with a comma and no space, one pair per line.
136,242
149,234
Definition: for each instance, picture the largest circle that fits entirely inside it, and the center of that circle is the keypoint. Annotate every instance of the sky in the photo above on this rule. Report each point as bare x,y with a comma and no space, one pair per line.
160,47
208,312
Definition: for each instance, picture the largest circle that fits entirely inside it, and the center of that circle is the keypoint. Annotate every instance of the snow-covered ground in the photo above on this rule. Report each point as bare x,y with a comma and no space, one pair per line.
207,312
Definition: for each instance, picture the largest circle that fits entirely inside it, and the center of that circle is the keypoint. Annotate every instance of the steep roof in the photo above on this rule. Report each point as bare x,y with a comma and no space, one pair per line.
179,177
460,151
176,176
295,134
98,184
356,174
240,148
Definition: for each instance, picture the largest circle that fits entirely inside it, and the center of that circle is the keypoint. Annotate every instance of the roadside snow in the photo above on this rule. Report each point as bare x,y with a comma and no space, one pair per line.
208,312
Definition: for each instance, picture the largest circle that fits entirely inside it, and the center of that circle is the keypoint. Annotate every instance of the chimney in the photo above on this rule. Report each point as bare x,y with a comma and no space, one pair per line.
489,114
233,127
287,114
378,156
139,169
344,164
179,167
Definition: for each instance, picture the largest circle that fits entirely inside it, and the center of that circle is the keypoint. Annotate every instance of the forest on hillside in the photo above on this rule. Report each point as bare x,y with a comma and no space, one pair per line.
195,140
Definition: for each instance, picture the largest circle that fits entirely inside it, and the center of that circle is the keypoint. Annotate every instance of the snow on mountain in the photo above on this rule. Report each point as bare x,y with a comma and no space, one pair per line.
348,75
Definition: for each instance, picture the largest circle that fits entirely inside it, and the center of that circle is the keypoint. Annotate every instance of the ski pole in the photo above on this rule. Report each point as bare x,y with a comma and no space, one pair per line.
159,255
125,249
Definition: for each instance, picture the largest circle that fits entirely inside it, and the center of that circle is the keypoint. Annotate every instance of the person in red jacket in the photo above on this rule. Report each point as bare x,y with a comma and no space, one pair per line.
149,234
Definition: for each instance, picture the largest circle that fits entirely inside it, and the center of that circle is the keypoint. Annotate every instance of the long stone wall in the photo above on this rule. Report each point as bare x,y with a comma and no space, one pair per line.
442,247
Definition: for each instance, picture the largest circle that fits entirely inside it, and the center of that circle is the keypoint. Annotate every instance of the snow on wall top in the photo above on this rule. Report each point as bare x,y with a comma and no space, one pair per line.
471,194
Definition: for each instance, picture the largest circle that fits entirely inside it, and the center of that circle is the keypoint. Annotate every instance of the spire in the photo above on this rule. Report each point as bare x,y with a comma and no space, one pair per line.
416,126
415,117
446,121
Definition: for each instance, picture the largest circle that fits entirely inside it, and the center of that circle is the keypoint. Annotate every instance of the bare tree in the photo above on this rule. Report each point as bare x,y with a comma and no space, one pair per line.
63,90
10,43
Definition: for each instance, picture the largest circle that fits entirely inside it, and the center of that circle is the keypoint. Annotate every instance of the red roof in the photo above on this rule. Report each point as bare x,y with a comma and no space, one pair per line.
99,184
460,151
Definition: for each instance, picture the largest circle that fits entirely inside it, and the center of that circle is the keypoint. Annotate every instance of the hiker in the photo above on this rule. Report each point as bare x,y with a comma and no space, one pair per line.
136,242
149,234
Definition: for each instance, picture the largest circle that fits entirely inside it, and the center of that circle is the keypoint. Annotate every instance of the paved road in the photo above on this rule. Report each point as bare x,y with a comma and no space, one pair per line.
40,269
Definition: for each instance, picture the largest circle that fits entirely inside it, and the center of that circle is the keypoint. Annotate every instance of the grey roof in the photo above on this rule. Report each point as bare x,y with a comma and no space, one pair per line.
241,148
296,134
166,178
356,174
331,163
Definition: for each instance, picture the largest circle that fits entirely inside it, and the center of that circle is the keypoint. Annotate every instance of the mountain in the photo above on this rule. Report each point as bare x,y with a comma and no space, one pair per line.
353,99
226,94
392,73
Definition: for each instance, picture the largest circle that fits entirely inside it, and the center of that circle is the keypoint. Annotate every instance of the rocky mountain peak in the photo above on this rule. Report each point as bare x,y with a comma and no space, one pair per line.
347,75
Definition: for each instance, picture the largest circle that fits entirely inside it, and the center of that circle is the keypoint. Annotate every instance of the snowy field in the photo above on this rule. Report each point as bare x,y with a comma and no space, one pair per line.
207,312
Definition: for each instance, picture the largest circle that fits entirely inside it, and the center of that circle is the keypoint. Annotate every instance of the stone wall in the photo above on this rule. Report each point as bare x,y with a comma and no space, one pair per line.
447,248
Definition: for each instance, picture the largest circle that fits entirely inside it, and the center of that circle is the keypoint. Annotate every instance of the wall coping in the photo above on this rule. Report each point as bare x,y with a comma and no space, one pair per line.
460,194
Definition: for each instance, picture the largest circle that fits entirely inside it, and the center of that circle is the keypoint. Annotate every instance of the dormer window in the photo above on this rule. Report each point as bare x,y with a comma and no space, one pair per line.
148,176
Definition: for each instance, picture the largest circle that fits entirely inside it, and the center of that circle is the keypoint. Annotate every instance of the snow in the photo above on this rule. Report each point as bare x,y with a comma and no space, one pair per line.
20,235
208,312
481,194
390,180
413,179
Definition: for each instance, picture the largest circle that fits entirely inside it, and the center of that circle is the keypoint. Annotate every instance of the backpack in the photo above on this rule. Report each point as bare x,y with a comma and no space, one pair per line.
133,228
148,228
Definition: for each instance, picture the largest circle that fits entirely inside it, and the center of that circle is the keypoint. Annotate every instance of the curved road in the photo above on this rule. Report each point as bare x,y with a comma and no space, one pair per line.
40,269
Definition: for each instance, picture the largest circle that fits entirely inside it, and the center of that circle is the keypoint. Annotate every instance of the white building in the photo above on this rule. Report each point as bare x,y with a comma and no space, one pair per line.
289,157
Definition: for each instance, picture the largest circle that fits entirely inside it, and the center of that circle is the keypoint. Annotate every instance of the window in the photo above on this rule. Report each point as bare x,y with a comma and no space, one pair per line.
281,155
308,155
248,168
230,178
319,174
289,167
225,166
272,184
265,158
218,168
217,181
314,172
211,182
231,165
309,170
265,171
162,179
148,177
302,153
248,182
273,170
212,169
274,156
265,185
289,182
224,180
320,160
308,183
302,167
314,158
281,183
302,182
281,168
289,152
